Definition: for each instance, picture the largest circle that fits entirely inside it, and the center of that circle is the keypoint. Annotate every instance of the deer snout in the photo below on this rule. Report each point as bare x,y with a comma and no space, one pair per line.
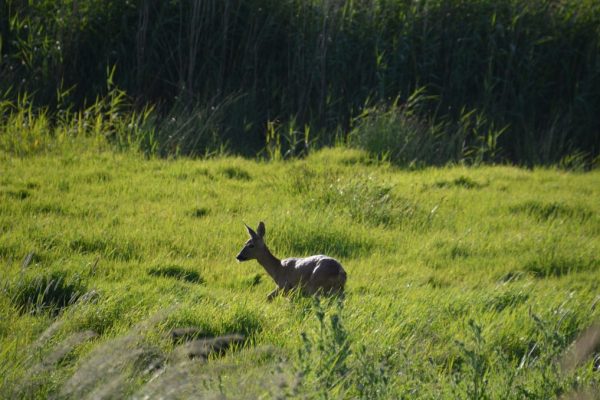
241,257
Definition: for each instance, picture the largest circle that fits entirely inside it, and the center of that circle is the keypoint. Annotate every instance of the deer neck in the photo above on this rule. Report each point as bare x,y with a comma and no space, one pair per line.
271,264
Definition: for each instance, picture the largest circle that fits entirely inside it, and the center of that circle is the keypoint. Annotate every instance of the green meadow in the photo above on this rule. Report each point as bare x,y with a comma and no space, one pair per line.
446,152
463,282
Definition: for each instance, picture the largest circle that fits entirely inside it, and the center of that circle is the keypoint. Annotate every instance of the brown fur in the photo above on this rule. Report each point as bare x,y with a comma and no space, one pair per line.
311,275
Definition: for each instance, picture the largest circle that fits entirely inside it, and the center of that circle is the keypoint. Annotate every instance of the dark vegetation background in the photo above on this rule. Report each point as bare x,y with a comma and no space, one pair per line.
420,82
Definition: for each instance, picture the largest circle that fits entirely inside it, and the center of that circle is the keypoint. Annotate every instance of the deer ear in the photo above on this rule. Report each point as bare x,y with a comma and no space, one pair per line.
251,232
261,229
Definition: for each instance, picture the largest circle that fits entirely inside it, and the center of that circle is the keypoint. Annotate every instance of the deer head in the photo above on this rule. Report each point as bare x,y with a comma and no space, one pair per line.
255,245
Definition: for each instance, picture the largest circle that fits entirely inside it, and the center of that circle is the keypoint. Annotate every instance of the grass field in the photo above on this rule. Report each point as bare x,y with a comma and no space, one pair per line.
462,282
384,133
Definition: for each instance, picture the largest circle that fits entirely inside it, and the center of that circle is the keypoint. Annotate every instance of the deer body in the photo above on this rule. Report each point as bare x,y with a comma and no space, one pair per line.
311,275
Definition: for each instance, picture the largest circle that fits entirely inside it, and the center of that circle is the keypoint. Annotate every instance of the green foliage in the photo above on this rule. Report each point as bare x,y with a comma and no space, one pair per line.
404,134
323,357
367,201
463,282
476,365
330,365
190,130
373,375
516,80
285,142
26,130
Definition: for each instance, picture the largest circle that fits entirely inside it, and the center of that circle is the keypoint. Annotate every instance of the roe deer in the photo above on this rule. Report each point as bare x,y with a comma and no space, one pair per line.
311,275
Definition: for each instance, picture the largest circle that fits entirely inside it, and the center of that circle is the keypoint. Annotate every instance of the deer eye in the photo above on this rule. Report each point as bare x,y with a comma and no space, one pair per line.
251,245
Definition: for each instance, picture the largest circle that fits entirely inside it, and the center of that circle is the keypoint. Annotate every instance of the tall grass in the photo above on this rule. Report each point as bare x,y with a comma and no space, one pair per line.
462,282
403,134
110,120
531,67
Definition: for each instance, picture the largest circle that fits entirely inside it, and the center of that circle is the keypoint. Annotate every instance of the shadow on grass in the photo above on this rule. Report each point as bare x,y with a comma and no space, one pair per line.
50,292
115,251
176,272
235,173
461,182
199,212
553,210
301,241
544,266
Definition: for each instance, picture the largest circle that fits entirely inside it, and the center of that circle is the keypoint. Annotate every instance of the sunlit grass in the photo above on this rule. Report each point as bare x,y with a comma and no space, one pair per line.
462,282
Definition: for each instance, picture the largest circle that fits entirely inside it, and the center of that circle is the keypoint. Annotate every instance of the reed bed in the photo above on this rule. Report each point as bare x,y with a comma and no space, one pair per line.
518,79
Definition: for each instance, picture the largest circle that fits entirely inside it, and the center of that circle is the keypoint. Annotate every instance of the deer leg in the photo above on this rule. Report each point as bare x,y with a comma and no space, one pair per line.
273,294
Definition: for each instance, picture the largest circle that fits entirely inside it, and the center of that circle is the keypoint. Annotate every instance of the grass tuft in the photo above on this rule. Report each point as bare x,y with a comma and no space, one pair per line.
49,292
